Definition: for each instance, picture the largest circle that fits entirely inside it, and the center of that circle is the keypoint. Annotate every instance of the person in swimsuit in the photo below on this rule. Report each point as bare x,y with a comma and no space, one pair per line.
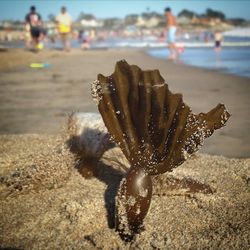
218,40
171,28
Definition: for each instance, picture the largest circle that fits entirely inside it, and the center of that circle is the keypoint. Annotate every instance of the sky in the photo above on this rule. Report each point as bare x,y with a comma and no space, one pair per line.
16,9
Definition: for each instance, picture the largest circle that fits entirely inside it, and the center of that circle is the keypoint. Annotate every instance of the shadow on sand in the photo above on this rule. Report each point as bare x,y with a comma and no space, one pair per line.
90,166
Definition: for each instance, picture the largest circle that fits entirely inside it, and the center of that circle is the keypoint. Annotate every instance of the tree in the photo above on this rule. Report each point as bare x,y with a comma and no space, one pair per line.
215,14
51,17
187,13
85,16
112,23
148,15
238,21
131,19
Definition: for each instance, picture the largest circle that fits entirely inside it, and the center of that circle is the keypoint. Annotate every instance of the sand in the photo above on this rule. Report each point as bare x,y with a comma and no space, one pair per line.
39,100
46,204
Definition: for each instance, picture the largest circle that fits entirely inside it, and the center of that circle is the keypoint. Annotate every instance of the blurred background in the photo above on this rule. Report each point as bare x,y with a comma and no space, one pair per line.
141,24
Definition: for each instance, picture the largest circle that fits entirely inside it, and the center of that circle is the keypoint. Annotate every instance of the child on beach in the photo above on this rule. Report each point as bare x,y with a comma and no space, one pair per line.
84,39
218,40
33,23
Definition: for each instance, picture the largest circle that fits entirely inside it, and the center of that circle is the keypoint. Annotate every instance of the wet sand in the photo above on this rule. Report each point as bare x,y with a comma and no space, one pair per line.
46,204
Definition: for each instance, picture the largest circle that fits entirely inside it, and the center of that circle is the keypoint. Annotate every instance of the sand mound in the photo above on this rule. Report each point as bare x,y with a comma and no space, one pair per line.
46,204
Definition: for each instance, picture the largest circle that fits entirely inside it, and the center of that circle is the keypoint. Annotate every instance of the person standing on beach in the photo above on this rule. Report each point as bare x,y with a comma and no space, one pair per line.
218,40
33,23
64,22
171,28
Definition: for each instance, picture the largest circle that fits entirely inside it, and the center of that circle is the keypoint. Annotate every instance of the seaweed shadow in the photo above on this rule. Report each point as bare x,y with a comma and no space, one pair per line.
89,165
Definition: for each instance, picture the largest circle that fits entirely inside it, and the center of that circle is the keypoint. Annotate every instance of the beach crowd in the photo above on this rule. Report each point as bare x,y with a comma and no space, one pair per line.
37,33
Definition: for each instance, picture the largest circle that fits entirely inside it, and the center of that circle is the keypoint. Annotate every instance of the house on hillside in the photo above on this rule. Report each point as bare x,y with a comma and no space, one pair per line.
209,21
148,23
183,20
92,23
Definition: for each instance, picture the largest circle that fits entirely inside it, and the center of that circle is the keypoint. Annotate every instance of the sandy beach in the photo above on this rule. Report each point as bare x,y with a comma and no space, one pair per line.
46,204
40,100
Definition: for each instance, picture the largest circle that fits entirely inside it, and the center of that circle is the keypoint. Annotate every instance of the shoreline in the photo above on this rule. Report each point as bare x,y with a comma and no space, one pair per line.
232,61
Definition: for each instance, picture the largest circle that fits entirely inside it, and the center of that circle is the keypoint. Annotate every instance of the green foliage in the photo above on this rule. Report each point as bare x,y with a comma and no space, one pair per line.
131,19
85,16
51,17
215,14
238,21
210,13
111,22
187,13
148,15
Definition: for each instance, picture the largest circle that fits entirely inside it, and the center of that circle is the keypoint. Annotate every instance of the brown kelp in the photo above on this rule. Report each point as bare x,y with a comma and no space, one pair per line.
154,128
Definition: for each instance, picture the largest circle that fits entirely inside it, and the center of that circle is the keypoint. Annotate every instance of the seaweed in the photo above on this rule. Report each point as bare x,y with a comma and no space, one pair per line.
155,130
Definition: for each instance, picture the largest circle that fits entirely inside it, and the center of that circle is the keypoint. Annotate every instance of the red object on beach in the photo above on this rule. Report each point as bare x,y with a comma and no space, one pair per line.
181,49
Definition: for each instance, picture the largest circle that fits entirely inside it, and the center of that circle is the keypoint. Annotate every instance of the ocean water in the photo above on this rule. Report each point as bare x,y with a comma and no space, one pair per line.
233,60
